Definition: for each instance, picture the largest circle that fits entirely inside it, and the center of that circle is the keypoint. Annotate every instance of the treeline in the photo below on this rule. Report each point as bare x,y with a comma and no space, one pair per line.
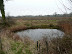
54,15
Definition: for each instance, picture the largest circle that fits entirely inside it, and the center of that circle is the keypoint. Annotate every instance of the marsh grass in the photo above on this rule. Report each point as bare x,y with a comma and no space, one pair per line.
13,44
66,26
56,45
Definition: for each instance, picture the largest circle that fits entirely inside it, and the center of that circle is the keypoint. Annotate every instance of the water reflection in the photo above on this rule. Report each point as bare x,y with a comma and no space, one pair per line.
37,34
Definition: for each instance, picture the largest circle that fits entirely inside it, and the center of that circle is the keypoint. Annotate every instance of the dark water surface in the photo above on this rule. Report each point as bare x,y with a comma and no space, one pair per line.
37,34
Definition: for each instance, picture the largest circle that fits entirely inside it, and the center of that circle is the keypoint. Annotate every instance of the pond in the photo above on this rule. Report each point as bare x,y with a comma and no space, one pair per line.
37,34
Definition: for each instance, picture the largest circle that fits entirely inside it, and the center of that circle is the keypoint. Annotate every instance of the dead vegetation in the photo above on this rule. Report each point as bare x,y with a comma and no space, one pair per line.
13,44
56,45
66,26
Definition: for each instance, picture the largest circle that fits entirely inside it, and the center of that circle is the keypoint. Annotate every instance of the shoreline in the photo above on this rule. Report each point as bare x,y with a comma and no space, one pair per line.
15,29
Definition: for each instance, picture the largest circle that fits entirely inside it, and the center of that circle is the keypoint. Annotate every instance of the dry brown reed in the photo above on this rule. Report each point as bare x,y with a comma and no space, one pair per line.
66,26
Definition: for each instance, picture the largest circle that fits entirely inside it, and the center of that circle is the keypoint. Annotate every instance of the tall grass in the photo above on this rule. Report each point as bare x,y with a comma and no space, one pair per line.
13,44
66,26
56,45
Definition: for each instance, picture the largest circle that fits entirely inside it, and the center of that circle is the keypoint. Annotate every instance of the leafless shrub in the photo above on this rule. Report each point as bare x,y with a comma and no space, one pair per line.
57,45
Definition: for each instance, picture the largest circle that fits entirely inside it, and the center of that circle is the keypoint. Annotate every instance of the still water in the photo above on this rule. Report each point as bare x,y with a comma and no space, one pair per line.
37,34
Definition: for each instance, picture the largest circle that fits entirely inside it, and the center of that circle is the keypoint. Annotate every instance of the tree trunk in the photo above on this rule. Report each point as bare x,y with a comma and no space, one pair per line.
3,16
2,11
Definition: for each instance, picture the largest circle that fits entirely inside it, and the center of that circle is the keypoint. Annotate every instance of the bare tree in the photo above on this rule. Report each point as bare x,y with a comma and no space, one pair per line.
70,0
2,11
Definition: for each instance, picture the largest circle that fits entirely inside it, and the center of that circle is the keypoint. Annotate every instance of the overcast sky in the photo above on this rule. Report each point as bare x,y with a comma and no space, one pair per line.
35,7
